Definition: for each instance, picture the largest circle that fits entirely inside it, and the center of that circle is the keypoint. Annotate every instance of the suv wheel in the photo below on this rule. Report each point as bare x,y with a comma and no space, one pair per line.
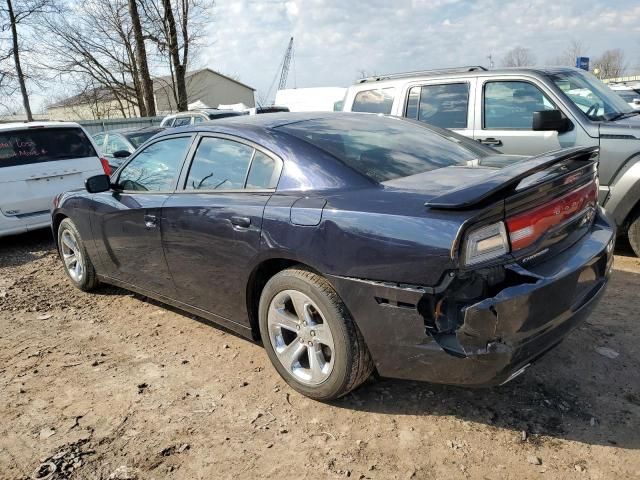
310,336
77,263
634,234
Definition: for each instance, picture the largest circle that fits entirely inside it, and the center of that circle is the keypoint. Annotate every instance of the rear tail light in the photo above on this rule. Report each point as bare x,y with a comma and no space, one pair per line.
486,243
528,227
525,229
105,166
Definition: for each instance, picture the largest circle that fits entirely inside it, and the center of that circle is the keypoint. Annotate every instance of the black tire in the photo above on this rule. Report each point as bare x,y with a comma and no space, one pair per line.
352,363
634,235
88,280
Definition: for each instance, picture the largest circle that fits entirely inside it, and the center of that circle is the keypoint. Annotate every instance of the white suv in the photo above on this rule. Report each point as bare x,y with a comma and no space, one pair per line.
39,160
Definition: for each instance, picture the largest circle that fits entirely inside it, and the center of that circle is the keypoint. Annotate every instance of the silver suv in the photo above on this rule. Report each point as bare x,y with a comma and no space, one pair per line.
524,111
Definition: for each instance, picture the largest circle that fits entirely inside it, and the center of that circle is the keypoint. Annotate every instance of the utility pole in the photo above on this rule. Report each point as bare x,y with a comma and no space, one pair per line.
490,58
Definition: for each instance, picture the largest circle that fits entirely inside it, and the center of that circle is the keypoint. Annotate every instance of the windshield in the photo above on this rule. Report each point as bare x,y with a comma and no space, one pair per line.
137,139
627,95
590,95
383,148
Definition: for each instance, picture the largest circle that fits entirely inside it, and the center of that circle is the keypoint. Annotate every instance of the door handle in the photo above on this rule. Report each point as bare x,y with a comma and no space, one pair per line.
242,222
492,142
150,221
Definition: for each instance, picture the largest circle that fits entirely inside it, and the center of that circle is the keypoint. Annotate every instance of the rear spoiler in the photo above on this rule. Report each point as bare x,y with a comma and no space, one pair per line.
505,180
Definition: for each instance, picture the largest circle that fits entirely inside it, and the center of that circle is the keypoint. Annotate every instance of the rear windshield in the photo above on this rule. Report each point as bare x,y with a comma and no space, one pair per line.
138,139
36,145
383,148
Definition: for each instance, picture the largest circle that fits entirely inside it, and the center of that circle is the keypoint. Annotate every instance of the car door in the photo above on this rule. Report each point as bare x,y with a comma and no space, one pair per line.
445,104
211,226
126,221
505,110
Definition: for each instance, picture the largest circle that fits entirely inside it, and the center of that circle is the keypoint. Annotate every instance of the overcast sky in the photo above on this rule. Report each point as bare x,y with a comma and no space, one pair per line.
335,39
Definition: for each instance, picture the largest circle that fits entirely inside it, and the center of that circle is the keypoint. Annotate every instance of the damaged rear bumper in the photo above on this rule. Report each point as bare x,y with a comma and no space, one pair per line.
498,336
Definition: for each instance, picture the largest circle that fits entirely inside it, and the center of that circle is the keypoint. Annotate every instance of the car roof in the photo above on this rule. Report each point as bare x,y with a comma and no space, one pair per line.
273,120
44,124
464,72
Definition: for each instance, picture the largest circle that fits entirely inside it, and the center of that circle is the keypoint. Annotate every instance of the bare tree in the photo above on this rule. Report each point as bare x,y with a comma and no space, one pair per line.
15,13
141,58
611,64
95,48
176,28
568,57
519,57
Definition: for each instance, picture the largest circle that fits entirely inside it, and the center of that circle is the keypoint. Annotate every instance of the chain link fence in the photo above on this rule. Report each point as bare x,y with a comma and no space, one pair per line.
97,126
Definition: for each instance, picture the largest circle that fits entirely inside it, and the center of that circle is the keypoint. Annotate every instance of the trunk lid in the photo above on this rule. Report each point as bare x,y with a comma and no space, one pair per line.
545,203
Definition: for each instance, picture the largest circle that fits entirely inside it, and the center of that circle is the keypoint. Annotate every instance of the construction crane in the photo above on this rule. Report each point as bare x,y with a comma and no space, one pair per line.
283,68
285,65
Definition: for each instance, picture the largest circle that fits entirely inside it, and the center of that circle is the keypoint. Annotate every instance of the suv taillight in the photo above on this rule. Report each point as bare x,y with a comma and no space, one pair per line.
527,227
105,166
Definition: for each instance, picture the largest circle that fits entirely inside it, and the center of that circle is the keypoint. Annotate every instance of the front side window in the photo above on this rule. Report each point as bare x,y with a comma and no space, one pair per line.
511,104
198,119
38,144
444,106
99,139
155,168
374,101
115,143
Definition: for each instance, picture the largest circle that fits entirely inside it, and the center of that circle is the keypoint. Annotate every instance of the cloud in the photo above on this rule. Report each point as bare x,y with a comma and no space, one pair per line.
334,40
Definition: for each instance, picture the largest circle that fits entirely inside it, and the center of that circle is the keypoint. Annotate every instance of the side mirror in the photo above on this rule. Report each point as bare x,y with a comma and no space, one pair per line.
97,184
549,120
121,154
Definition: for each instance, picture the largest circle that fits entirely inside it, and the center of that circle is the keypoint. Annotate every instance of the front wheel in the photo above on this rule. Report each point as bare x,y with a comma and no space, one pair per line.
634,235
77,264
310,337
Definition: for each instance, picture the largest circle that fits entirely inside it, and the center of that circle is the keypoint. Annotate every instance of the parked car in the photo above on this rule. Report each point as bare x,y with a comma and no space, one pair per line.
524,111
351,242
197,116
628,94
116,145
38,160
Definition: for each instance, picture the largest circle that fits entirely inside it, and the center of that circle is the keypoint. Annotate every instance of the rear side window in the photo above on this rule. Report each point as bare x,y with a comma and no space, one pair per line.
374,101
445,106
181,121
264,172
221,164
37,145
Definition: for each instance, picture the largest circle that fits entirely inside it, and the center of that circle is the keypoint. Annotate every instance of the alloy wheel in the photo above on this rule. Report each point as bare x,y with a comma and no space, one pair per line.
73,260
300,336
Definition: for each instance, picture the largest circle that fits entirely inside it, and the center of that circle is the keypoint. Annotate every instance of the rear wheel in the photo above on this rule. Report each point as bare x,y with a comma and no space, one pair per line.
77,263
310,336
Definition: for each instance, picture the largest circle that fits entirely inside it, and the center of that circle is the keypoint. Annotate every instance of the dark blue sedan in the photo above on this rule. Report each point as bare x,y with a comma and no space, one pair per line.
350,243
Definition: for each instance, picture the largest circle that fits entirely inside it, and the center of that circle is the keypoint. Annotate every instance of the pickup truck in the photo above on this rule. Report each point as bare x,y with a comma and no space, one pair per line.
525,111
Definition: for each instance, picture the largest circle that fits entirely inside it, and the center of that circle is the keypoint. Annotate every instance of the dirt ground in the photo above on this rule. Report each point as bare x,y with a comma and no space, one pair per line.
111,385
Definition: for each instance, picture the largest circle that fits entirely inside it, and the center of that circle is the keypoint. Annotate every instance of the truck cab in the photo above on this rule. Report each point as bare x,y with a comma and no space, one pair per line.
525,111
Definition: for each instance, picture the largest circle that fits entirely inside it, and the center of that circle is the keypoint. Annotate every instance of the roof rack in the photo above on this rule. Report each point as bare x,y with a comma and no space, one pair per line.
439,71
